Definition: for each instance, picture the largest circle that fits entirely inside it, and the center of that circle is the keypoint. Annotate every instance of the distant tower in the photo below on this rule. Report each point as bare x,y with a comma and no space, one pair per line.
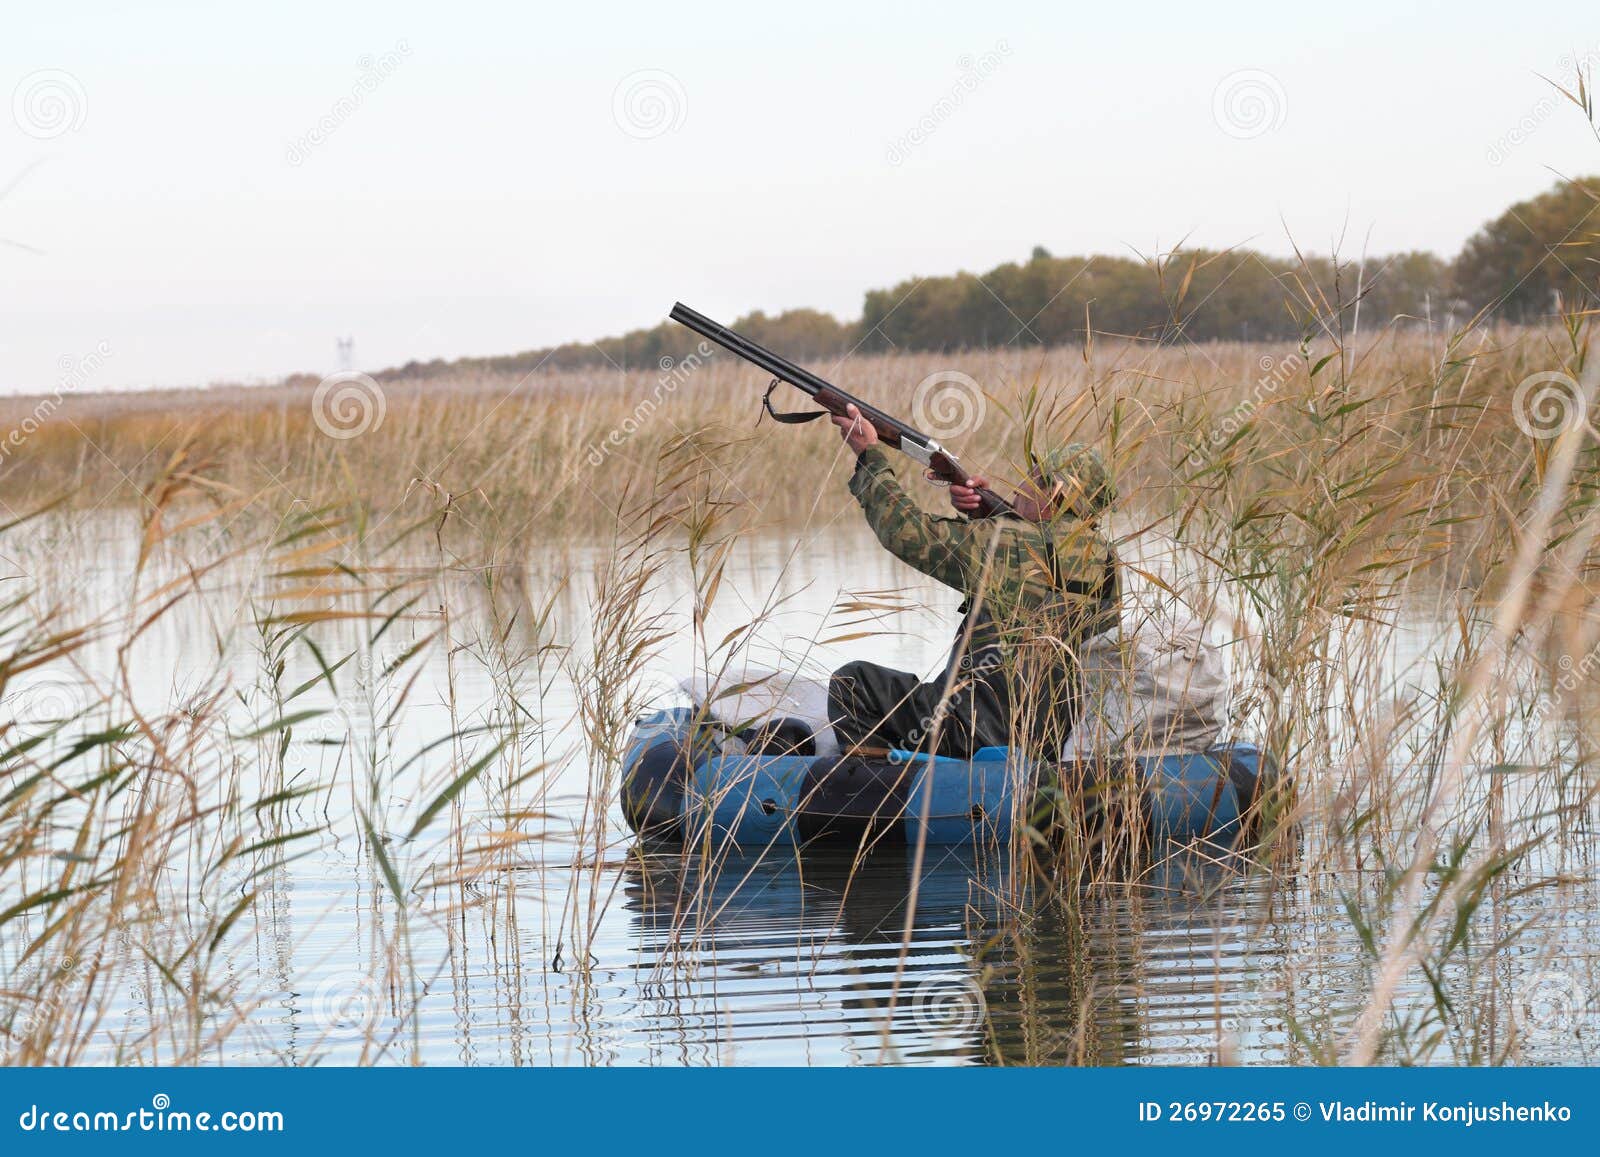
347,352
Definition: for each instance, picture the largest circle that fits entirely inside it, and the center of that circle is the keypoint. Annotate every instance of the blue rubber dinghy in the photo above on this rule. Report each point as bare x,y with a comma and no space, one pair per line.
678,784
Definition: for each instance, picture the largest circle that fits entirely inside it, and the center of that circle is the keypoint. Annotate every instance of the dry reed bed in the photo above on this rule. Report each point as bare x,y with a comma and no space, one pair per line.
563,450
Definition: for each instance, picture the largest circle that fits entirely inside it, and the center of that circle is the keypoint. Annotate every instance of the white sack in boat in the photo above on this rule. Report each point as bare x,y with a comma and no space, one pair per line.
1154,684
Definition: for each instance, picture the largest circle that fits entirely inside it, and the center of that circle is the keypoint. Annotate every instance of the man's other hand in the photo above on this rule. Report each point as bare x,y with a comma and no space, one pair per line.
858,433
966,499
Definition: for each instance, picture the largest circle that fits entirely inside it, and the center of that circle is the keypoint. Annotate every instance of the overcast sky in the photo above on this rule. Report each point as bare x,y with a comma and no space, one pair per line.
206,192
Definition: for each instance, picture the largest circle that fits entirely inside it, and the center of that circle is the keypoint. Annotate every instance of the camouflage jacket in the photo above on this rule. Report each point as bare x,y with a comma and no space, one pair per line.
1040,590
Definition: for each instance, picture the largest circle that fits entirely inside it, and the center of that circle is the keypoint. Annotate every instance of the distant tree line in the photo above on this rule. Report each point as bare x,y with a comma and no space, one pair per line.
1540,256
1202,295
1536,253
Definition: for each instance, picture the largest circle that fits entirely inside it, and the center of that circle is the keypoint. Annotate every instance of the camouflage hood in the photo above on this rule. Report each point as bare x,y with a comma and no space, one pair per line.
1086,483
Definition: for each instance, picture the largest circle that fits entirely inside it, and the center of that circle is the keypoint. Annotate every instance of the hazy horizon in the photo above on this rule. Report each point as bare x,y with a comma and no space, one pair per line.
206,206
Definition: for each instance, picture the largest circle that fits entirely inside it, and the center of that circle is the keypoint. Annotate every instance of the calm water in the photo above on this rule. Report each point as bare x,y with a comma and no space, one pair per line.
558,948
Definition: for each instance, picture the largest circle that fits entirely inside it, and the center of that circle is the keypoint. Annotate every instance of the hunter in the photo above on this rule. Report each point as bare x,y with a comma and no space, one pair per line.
1038,582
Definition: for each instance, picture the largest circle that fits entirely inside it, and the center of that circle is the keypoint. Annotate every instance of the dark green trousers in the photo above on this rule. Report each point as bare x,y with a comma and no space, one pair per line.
876,706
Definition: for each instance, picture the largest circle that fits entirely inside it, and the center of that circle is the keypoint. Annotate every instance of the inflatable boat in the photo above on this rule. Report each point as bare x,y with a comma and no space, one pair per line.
684,780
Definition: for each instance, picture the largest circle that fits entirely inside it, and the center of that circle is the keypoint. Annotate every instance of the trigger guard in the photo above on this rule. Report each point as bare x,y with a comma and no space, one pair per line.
934,478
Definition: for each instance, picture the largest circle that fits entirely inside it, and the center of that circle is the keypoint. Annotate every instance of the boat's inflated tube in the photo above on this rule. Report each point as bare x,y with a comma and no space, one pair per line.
682,784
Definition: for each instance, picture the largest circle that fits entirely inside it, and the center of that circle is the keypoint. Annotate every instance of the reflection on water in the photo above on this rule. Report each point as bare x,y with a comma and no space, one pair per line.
784,959
561,950
790,956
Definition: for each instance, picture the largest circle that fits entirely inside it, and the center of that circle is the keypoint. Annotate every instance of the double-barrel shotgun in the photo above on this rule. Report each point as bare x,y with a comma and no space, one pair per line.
939,464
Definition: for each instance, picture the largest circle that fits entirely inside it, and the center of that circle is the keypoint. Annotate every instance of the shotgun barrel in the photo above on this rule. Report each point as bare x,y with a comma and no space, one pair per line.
940,464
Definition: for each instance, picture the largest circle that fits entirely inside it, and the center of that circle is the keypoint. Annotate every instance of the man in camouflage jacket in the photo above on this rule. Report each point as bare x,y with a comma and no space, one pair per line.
1037,584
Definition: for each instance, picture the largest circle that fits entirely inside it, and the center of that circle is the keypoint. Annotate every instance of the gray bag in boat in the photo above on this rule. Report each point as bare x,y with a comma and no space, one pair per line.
1152,685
